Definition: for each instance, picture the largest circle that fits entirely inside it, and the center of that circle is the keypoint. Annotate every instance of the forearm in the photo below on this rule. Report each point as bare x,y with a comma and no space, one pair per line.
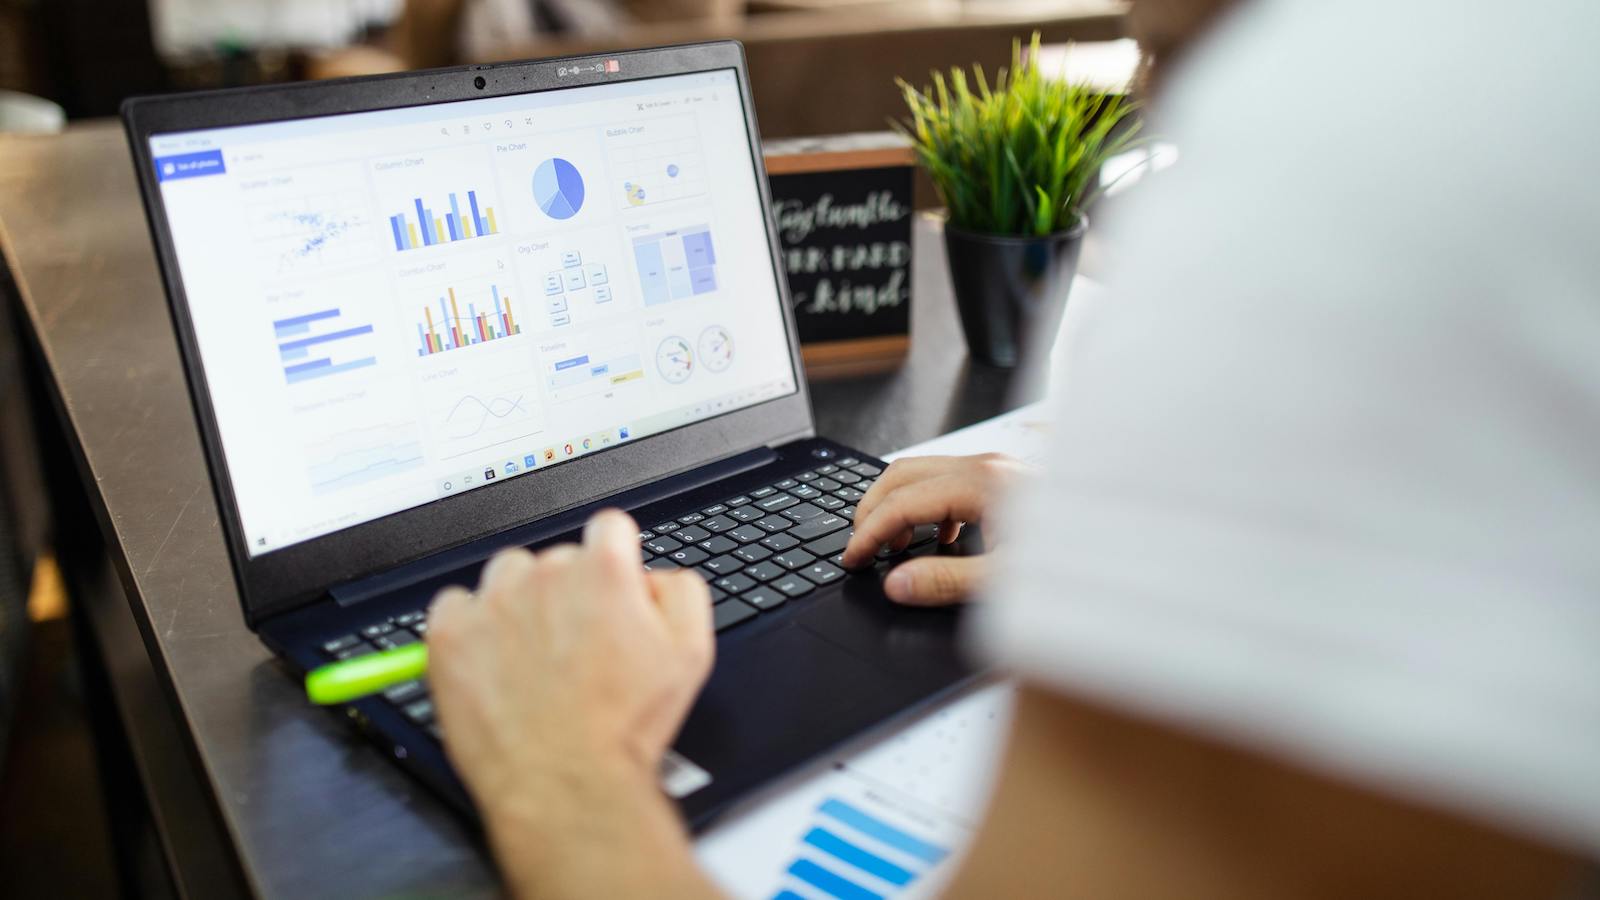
592,829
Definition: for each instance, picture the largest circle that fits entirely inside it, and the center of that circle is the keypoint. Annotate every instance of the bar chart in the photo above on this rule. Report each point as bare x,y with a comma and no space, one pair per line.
451,330
426,226
321,344
676,264
853,854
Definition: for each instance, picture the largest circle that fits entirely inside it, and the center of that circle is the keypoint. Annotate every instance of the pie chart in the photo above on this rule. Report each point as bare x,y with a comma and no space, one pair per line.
558,188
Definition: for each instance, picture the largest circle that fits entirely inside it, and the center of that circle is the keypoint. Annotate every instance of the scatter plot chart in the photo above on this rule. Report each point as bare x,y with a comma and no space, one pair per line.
658,162
312,232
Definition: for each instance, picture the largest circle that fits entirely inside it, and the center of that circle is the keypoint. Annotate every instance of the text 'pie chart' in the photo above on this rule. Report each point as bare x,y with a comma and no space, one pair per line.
558,188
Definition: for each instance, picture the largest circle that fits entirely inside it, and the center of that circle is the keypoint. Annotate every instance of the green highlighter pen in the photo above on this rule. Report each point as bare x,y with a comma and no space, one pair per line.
352,679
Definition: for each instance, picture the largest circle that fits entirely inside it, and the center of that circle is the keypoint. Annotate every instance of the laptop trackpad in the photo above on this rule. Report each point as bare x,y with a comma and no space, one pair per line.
779,699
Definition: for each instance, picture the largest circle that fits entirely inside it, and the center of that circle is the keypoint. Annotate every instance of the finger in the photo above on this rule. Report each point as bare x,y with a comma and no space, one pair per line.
950,530
952,496
685,604
446,611
900,473
503,567
934,580
611,538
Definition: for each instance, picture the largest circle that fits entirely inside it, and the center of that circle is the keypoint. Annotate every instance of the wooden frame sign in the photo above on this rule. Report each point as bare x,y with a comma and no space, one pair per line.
843,206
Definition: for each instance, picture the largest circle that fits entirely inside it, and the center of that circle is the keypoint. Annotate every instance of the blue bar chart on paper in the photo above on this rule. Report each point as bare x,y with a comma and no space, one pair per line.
322,344
676,264
462,216
852,854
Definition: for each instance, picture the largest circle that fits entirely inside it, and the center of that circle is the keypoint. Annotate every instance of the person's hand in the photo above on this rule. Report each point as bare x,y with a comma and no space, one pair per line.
943,490
575,657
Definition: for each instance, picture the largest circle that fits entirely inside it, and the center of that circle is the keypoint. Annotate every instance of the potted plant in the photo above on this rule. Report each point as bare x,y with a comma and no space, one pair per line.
1016,164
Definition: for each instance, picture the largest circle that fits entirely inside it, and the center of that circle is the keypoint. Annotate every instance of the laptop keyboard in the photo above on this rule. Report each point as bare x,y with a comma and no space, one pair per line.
756,551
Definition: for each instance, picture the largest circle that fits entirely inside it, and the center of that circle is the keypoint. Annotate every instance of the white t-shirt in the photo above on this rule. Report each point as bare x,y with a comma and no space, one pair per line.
1326,479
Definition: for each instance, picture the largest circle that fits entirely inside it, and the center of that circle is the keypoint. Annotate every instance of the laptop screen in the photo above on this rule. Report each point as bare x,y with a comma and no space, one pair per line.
394,307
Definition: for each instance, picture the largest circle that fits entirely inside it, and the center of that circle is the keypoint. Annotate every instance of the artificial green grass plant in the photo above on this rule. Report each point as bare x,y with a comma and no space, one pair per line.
1019,157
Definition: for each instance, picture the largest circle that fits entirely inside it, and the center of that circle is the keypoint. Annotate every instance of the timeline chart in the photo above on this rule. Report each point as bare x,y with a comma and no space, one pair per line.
677,264
314,345
850,853
579,376
453,331
422,226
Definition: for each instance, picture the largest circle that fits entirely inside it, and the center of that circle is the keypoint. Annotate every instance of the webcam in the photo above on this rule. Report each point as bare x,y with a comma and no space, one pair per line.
479,82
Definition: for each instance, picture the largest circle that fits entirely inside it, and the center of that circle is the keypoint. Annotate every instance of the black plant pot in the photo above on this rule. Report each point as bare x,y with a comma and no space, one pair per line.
1009,289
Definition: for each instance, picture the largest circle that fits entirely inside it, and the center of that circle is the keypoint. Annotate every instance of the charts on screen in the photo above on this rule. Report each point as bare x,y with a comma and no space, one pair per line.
304,234
558,188
674,265
462,216
322,344
659,163
361,456
457,320
584,375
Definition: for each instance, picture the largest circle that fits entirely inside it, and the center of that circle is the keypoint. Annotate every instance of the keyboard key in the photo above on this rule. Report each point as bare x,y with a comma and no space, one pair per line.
826,484
815,528
777,502
645,554
923,534
828,502
358,650
752,553
774,523
794,559
372,631
661,564
729,613
823,573
866,470
410,619
802,512
805,492
715,509
846,477
846,512
765,571
723,565
688,556
793,585
420,711
746,514
705,574
778,543
646,535
665,528
718,545
735,584
733,502
830,544
849,461
865,484
717,594
807,476
405,692
848,495
718,524
396,638
420,629
341,643
746,534
690,519
786,484
694,534
764,598
827,469
662,545
758,493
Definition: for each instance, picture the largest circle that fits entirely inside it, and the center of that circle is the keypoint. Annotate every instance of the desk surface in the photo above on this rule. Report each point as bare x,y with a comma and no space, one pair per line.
309,809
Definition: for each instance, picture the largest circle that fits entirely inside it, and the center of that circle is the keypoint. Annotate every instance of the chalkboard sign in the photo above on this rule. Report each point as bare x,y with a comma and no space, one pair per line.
843,205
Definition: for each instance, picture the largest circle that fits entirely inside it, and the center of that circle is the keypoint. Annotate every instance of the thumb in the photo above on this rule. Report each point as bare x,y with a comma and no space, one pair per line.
685,605
934,580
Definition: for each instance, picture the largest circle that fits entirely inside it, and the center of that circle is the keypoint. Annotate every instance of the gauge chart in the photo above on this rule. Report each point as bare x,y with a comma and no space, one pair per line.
675,360
558,188
716,349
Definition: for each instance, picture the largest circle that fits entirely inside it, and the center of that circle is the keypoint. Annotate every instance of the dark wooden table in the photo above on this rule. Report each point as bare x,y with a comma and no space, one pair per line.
251,790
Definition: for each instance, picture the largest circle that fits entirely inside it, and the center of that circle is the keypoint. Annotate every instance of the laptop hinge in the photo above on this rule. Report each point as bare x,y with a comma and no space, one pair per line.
545,528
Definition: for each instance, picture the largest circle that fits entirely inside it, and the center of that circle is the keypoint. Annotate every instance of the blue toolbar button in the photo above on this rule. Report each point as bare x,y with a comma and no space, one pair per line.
189,165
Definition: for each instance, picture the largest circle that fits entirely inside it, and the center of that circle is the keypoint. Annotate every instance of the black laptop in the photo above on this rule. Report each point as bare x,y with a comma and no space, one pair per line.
428,316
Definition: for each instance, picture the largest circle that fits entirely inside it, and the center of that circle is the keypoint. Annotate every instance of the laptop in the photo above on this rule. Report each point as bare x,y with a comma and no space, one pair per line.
428,316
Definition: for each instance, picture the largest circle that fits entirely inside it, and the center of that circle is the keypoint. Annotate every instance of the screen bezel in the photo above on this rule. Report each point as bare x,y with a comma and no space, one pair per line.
291,576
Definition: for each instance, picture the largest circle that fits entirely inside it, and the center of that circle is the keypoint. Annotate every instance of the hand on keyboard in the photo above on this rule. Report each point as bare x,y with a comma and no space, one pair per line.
918,492
573,661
